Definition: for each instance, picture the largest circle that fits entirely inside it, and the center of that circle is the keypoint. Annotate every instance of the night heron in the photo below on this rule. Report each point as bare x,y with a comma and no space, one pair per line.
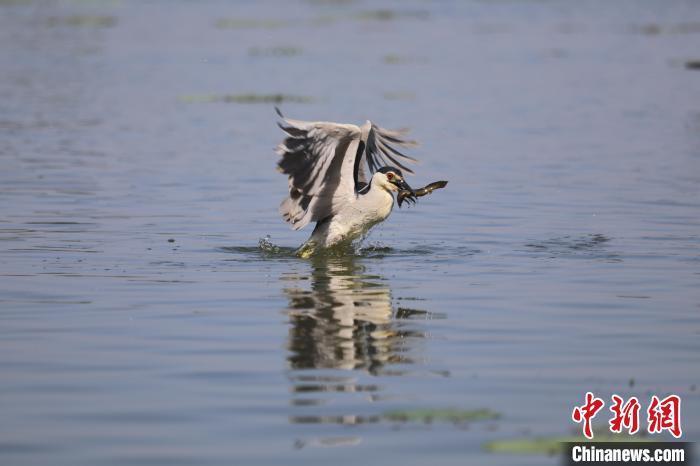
327,167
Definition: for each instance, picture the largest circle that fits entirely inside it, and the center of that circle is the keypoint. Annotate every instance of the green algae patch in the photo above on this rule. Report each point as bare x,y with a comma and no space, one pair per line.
247,98
455,416
88,21
250,23
279,51
536,446
391,15
395,59
550,445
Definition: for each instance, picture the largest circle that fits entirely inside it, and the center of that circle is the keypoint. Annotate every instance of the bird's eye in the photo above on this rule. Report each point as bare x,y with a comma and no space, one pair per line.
389,176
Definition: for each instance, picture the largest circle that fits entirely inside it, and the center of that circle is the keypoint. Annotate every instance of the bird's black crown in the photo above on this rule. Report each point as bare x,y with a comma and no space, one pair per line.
390,169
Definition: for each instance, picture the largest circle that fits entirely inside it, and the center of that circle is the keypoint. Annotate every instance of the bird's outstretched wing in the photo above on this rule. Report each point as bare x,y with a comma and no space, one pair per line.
319,158
326,164
380,151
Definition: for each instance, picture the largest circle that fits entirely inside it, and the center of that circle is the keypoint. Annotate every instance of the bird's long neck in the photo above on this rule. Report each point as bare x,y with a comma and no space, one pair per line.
377,195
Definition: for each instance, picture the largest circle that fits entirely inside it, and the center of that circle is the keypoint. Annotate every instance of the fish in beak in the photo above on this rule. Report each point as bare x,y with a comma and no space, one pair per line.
405,191
411,195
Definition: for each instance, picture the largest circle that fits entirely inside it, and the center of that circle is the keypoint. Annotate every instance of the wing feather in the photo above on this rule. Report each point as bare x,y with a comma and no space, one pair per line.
380,151
319,158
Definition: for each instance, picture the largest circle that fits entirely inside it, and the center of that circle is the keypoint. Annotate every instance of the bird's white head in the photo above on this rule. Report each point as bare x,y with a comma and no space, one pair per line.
390,179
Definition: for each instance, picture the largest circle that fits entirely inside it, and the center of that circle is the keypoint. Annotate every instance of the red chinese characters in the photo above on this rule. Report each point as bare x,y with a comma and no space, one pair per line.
662,415
626,415
587,412
665,415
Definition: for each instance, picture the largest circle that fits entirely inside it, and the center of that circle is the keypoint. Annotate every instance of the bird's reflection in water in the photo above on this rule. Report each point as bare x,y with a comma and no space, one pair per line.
346,320
344,328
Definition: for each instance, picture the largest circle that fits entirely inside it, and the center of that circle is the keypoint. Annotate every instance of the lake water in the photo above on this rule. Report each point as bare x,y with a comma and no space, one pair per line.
141,324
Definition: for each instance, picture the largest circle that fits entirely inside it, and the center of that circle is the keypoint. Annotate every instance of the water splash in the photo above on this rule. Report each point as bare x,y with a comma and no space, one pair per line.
360,248
264,250
266,245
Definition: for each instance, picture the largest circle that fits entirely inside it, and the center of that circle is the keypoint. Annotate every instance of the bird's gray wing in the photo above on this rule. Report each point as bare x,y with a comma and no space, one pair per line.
380,150
319,158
